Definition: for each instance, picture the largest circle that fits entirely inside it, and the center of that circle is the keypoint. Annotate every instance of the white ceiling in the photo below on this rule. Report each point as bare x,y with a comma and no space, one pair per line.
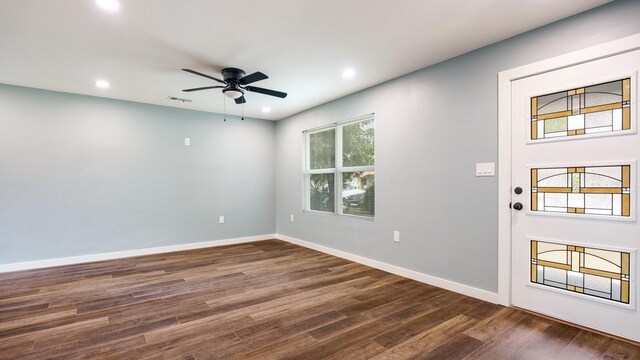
302,45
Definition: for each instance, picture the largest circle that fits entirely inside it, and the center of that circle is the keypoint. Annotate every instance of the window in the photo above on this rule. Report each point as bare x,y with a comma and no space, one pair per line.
340,168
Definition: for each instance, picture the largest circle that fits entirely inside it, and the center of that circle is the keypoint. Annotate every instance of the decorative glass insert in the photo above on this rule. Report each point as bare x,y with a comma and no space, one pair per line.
585,270
593,109
595,190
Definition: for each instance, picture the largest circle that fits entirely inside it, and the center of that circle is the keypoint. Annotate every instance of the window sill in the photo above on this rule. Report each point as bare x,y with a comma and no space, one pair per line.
323,213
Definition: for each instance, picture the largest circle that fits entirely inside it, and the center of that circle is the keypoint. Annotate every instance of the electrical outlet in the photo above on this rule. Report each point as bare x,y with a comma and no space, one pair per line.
187,141
221,219
291,217
396,236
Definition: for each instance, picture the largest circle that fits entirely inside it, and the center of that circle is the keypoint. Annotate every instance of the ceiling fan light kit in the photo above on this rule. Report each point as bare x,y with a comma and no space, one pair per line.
235,84
233,93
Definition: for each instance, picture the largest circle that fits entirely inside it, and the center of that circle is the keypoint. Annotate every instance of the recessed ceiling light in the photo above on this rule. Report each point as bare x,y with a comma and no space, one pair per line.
266,109
102,84
109,5
348,73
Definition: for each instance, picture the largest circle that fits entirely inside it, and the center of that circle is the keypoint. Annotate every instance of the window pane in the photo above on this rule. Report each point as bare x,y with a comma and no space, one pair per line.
590,271
358,193
322,148
357,144
598,108
321,192
595,190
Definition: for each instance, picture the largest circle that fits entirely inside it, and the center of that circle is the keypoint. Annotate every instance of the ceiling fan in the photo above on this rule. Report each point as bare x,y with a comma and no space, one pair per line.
235,84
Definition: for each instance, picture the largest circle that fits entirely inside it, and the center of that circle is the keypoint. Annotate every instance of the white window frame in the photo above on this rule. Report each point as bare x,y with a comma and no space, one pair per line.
337,171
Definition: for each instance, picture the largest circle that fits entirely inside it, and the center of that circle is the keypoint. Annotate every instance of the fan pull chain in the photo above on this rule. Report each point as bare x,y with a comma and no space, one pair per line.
224,101
242,111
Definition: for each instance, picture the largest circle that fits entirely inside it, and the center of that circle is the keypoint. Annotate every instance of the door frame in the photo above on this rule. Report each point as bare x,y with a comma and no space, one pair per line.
505,78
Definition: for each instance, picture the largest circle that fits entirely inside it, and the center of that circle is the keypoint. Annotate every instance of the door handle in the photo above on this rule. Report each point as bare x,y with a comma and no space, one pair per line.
518,206
518,190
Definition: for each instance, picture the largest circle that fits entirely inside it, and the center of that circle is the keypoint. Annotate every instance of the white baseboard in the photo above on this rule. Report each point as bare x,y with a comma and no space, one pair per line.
414,275
421,277
128,253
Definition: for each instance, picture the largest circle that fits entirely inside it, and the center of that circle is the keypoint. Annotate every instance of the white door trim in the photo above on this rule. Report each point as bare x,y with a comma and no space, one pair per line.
505,78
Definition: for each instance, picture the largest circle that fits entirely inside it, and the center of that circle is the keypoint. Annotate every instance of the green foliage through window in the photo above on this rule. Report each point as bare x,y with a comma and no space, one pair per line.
358,144
323,149
322,192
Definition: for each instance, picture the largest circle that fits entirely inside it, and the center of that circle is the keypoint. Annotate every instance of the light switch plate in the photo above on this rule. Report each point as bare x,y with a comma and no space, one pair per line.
486,169
187,141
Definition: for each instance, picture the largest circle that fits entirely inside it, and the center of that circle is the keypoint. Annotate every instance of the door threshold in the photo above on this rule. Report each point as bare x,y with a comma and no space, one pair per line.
615,337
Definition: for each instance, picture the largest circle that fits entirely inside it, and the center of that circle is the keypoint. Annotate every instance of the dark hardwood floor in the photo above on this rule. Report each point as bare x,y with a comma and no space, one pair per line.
266,300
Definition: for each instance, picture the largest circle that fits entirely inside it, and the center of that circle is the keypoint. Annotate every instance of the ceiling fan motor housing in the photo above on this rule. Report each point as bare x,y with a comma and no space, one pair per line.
232,74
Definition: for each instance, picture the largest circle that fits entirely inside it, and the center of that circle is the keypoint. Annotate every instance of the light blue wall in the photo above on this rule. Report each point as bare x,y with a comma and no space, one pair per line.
432,126
85,175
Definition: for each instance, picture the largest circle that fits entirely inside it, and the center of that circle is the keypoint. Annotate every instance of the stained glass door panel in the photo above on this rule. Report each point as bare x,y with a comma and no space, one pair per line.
592,109
604,274
592,190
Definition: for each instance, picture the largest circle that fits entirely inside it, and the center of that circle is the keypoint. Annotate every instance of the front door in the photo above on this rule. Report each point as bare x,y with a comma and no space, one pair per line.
574,176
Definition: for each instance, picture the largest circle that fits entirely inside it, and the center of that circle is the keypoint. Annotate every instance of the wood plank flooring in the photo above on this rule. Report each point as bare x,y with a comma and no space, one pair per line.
266,300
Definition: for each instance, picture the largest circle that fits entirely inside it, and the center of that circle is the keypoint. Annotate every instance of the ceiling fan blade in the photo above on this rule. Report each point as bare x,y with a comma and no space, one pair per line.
205,75
241,100
266,91
251,78
203,88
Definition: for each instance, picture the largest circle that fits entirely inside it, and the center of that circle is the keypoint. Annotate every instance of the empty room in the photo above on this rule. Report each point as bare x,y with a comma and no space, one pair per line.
296,179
